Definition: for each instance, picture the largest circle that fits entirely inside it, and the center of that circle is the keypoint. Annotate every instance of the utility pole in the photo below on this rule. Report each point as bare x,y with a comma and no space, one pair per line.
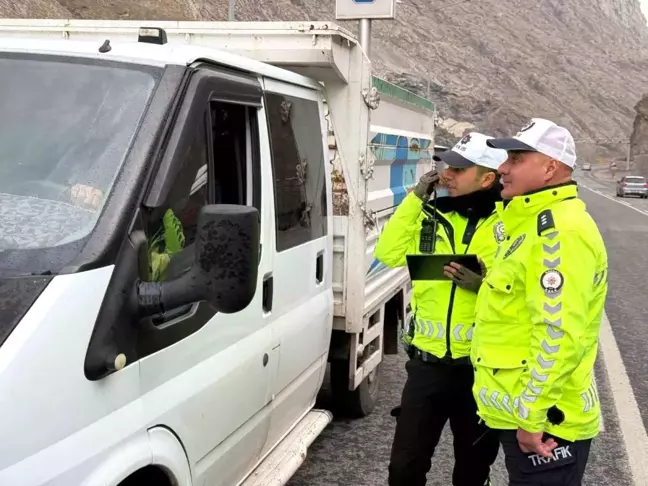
232,11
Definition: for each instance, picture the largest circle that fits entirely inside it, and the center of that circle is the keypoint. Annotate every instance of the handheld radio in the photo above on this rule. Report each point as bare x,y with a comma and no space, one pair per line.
429,228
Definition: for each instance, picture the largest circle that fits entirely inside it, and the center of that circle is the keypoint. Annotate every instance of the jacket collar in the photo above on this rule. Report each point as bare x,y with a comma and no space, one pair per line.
479,204
519,209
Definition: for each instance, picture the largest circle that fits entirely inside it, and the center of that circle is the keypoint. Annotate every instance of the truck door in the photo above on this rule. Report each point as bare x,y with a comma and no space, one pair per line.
302,303
207,375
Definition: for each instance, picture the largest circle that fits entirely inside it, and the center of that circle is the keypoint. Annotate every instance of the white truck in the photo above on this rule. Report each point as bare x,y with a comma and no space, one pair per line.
188,212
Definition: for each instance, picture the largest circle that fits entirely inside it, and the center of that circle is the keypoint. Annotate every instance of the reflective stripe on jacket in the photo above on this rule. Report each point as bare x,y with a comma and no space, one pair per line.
538,318
444,312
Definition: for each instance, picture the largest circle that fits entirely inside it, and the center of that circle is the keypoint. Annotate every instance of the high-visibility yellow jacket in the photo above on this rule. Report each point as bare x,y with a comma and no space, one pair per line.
538,317
444,313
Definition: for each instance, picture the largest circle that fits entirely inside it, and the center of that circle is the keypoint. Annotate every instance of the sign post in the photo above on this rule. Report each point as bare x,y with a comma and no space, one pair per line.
231,15
365,11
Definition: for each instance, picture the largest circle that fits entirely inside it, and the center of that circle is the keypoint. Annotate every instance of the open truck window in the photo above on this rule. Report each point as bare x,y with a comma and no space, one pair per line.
217,170
67,126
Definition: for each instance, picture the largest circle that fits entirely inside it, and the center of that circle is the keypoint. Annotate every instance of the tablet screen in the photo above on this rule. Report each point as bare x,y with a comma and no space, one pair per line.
430,267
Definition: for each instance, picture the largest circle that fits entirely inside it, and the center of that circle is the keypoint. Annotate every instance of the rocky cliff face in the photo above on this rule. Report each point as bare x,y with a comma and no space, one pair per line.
490,63
639,140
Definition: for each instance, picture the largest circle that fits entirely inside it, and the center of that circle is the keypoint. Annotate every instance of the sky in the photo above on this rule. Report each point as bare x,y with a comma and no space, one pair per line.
644,7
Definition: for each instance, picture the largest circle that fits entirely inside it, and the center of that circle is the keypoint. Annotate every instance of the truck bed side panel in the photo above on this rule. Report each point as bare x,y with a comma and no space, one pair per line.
399,151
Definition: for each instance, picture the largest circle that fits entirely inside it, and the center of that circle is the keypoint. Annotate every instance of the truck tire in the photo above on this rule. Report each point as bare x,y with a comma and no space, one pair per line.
353,403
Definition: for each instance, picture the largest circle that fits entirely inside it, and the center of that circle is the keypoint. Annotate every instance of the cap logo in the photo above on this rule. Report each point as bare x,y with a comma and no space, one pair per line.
528,127
465,140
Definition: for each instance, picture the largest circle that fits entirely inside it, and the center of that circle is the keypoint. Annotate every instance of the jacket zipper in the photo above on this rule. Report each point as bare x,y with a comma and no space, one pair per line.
472,227
449,319
450,234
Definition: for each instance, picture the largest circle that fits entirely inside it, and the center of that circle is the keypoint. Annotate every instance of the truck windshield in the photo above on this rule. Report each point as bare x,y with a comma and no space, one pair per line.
67,125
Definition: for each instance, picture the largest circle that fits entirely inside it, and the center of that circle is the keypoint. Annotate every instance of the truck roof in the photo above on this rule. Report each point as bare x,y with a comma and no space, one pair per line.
151,54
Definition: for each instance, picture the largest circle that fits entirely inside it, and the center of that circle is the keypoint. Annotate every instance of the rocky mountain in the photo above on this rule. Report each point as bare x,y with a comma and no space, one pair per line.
639,146
488,63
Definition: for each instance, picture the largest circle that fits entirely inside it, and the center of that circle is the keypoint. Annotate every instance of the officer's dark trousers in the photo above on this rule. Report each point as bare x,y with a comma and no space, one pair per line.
434,394
566,468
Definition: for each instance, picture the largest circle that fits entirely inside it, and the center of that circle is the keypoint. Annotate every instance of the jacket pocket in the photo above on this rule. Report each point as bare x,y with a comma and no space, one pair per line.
497,380
499,300
501,282
501,358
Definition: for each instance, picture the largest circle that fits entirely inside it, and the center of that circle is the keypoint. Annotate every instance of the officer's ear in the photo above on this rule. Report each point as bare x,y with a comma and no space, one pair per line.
488,178
550,169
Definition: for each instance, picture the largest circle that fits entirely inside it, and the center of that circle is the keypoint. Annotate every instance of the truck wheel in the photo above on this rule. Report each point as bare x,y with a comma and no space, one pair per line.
353,403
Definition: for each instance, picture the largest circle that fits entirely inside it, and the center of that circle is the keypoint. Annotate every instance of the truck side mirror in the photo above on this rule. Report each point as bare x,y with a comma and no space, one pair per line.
225,267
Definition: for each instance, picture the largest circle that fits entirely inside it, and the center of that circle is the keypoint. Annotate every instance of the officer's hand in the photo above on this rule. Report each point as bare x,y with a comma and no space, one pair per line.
465,278
426,184
532,442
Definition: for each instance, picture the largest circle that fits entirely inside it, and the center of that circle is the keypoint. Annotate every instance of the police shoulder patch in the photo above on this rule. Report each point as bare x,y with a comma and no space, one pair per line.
516,244
545,221
552,281
498,232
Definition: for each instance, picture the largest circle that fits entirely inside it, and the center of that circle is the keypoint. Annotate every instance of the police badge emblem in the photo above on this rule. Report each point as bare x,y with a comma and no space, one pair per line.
552,281
498,232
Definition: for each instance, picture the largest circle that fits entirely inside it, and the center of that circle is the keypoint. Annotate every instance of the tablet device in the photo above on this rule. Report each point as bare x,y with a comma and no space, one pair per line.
430,267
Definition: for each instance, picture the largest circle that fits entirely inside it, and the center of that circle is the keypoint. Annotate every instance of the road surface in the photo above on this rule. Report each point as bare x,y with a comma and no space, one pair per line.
356,453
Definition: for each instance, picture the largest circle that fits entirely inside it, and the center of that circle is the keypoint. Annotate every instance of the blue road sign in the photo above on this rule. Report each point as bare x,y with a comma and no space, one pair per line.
364,9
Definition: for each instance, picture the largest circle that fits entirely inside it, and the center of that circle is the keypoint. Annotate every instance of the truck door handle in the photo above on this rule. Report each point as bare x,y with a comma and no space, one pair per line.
319,268
268,290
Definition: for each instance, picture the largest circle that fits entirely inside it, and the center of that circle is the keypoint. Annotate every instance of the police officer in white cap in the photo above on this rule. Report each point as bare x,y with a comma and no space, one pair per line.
440,375
539,313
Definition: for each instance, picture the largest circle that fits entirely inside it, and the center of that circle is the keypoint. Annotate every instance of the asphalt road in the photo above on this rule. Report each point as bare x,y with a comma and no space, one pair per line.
356,453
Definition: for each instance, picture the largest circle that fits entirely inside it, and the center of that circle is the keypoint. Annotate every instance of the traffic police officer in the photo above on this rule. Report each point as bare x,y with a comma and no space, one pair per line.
440,376
539,313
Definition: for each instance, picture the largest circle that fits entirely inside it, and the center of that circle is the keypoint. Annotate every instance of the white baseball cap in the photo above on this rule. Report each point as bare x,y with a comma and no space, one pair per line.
472,150
542,136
